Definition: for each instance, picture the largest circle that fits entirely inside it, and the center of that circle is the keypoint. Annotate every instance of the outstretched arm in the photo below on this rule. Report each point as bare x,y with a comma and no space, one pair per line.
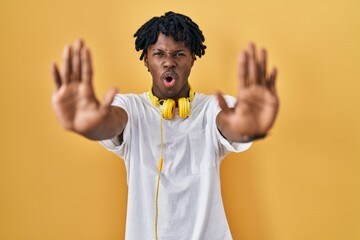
257,101
74,102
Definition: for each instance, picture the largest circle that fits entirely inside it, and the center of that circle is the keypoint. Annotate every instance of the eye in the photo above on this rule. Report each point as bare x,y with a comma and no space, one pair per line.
159,54
179,54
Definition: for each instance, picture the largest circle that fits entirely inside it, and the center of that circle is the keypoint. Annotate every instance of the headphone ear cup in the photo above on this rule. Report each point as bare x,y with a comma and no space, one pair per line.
184,107
168,109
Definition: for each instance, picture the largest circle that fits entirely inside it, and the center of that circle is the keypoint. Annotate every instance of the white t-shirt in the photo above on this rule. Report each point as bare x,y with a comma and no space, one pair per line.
190,206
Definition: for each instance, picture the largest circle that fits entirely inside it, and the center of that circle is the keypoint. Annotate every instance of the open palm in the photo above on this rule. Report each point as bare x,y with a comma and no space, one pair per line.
73,100
257,106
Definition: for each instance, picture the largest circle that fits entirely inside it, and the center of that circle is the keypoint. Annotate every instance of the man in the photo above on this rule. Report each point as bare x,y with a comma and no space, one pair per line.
172,139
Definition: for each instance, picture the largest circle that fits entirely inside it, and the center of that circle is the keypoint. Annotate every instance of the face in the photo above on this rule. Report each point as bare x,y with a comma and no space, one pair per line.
169,63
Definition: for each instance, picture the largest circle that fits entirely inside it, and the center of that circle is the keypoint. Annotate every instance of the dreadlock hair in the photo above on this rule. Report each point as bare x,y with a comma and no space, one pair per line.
176,25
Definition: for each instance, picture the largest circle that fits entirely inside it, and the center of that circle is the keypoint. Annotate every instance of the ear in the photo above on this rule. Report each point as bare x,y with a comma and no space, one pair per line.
146,62
193,59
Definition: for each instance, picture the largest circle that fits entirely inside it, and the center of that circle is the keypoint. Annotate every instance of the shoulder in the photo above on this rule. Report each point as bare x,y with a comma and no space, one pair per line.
130,99
130,96
202,100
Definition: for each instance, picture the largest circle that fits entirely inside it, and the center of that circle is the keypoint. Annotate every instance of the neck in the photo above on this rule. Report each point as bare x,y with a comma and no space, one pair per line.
186,92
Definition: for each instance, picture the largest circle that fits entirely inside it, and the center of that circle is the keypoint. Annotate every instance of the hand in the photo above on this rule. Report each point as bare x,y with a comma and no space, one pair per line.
257,102
73,100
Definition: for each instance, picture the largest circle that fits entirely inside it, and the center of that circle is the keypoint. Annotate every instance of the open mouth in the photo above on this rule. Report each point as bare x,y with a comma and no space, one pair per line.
169,79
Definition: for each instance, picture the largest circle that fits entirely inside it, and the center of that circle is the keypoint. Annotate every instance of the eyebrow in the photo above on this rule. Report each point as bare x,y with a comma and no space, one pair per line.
176,51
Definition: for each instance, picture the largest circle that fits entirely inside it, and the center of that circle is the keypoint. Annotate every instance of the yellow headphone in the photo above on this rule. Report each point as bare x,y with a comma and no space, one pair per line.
168,105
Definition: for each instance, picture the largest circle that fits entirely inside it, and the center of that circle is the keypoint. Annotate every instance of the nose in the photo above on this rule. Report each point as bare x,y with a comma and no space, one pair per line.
169,62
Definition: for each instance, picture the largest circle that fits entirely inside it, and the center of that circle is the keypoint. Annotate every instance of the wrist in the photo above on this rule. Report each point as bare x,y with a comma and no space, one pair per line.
252,137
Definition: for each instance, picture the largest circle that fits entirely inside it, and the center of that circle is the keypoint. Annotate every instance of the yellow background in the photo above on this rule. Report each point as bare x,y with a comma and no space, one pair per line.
300,183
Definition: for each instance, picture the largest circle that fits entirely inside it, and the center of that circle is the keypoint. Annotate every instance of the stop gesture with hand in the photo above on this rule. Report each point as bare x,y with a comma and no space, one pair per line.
257,101
73,100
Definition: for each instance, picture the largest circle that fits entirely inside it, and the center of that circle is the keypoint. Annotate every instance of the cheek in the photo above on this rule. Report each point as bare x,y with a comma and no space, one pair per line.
154,66
154,71
187,69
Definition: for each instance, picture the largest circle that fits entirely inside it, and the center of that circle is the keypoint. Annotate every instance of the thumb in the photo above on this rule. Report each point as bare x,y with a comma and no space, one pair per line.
222,103
108,98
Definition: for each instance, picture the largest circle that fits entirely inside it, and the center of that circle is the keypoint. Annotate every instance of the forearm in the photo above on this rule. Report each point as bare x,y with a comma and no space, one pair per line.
111,126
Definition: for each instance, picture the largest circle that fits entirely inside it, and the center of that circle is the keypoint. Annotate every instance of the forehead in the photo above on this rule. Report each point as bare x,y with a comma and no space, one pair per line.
168,43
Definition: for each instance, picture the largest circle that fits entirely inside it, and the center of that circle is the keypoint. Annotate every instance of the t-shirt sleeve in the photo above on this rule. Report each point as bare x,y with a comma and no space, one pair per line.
113,144
225,145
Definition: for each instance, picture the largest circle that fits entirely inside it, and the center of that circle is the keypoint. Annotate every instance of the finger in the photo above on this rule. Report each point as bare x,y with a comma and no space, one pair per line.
272,79
243,69
86,66
262,65
252,66
66,64
222,102
108,98
55,75
76,63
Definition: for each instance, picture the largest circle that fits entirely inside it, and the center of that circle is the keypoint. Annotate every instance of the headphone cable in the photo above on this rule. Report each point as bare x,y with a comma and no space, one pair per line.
158,180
